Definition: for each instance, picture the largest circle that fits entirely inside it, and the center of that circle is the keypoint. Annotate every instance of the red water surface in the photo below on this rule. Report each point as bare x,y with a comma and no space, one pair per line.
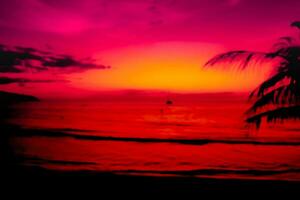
214,121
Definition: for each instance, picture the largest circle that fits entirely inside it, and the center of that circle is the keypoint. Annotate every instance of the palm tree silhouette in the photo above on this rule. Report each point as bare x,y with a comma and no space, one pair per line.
278,97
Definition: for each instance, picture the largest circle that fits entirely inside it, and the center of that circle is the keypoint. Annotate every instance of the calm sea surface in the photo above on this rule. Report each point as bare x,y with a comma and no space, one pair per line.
202,138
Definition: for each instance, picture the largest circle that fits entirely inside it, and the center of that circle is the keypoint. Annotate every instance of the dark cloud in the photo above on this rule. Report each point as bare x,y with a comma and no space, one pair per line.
22,59
23,81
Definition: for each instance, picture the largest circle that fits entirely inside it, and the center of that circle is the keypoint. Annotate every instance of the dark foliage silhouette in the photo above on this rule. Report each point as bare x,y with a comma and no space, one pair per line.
278,97
21,59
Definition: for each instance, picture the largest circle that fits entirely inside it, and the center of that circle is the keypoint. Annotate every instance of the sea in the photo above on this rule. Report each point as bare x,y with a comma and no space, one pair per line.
202,136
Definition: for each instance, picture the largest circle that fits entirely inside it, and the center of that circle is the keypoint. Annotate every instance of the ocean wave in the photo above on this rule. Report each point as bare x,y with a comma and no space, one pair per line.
71,133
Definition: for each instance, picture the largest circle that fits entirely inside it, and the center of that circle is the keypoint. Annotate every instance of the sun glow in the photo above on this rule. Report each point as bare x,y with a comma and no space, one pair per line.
165,66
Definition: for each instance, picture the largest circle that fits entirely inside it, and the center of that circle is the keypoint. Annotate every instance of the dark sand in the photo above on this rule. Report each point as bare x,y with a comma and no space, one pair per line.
31,180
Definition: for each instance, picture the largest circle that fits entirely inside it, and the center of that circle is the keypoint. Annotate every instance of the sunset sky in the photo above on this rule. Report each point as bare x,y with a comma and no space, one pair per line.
140,45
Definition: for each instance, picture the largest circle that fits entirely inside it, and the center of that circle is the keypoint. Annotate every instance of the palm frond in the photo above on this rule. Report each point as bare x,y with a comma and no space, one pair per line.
243,57
283,113
288,53
272,97
268,84
287,39
283,95
296,24
283,42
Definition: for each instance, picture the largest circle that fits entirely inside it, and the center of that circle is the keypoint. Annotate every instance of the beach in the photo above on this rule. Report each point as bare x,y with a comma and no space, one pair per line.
92,184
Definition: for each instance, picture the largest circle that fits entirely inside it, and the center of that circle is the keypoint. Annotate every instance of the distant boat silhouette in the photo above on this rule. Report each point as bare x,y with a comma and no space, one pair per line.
169,102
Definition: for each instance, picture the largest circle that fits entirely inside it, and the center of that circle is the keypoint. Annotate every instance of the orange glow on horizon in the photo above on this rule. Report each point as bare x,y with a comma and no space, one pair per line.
171,66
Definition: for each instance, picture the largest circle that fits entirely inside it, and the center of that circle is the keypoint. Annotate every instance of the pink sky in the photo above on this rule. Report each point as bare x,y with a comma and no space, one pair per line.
141,38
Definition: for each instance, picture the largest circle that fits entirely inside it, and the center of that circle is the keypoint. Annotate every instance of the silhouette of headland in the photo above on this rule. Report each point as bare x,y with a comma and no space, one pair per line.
8,159
9,98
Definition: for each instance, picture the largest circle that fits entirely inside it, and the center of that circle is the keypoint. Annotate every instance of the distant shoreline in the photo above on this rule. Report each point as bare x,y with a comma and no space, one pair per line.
9,97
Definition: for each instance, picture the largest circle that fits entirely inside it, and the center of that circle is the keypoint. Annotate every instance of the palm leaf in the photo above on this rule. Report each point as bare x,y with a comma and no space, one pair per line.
243,57
283,113
268,84
283,42
296,24
286,94
272,97
288,53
